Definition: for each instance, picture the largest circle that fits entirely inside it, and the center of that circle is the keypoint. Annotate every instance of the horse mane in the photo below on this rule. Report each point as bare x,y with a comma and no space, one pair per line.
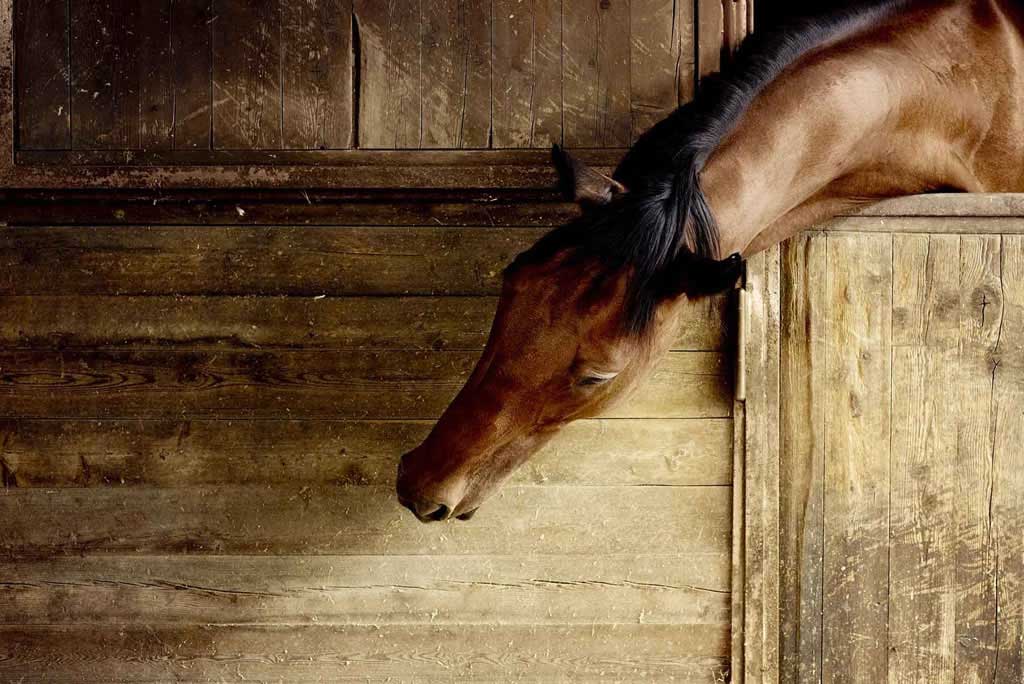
665,211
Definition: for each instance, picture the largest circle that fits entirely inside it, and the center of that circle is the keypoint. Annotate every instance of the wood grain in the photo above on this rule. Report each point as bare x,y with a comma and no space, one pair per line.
527,66
192,23
316,74
661,60
355,653
156,82
43,74
184,453
247,105
857,433
359,520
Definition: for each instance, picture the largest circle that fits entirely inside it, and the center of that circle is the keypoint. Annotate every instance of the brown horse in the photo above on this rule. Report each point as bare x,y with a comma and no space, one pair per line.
890,99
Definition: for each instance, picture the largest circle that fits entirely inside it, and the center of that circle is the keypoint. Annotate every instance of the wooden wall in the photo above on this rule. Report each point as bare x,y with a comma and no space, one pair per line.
174,77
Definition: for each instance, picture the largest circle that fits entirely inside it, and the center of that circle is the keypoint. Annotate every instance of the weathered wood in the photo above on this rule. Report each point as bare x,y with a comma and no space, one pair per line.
359,520
156,80
213,322
303,384
661,59
176,453
455,82
710,36
482,653
981,312
802,462
948,205
43,77
316,74
527,70
857,433
292,260
192,23
390,73
687,590
595,73
970,225
247,105
105,74
924,501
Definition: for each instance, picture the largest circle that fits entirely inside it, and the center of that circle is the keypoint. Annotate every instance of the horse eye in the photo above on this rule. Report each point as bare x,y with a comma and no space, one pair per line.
591,380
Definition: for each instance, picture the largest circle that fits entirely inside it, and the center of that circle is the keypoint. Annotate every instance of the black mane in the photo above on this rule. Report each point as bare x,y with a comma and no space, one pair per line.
665,211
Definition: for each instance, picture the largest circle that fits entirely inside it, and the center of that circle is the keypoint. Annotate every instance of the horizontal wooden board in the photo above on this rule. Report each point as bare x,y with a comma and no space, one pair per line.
303,384
194,323
464,653
678,589
957,225
360,520
171,453
268,260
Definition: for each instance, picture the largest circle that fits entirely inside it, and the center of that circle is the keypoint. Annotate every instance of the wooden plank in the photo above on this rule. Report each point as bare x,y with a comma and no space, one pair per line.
802,465
710,36
595,73
316,74
156,83
303,384
105,74
687,590
857,433
167,322
527,70
269,260
455,83
359,520
247,105
358,653
924,501
981,311
42,76
661,60
192,24
390,73
1007,507
183,453
949,205
970,225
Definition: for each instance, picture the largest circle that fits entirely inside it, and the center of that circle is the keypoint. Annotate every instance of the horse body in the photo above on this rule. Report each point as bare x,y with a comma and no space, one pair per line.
894,99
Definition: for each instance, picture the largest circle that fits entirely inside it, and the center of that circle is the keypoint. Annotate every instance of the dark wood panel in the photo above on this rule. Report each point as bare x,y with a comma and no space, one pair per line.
43,74
105,67
463,653
192,60
595,76
258,260
527,93
156,81
455,82
359,520
177,453
316,74
181,322
390,71
306,384
247,105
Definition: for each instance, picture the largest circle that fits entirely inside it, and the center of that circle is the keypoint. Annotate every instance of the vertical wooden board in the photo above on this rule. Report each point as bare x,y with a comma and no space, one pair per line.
923,493
1007,508
390,68
105,74
246,75
981,314
156,92
455,86
710,36
316,73
802,462
595,74
857,433
526,98
661,60
192,73
42,78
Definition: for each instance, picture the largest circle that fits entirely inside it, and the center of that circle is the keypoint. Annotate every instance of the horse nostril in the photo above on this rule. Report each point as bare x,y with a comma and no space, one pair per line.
441,513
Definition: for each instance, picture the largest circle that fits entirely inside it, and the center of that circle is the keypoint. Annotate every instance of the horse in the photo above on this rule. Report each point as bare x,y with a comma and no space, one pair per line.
886,99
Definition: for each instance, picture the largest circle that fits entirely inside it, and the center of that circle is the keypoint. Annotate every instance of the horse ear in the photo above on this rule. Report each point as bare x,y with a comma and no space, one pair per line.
696,276
581,183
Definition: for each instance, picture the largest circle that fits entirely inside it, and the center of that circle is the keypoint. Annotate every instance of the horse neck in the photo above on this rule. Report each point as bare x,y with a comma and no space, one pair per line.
905,108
